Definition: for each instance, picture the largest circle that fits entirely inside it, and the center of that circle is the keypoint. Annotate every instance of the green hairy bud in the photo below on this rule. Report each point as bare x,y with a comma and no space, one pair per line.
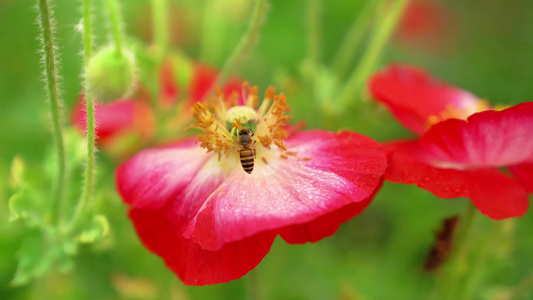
110,75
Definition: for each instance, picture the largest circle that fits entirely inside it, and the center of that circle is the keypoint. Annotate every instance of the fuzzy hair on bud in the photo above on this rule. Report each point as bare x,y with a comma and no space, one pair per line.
109,75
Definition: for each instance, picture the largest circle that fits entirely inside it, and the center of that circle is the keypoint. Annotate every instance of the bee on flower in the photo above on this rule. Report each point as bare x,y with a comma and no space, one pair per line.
211,206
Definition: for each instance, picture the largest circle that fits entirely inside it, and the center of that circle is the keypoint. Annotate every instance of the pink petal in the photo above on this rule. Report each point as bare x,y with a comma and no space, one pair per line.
192,264
156,176
344,169
115,119
412,96
489,138
496,195
110,118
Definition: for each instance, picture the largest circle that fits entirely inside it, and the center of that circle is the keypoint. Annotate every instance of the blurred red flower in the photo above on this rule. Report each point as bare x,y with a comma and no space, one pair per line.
127,125
428,24
463,144
212,222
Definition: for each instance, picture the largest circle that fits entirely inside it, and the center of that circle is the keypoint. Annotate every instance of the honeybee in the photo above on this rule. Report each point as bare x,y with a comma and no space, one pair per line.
246,150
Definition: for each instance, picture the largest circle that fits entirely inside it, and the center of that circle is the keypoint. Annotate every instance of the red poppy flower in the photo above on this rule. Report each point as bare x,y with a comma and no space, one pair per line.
428,24
212,221
127,124
462,152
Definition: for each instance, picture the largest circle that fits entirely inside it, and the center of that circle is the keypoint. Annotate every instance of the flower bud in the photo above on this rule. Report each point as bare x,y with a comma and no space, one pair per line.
110,75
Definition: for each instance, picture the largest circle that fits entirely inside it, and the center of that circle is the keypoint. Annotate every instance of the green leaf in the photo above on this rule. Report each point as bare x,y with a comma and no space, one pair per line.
35,258
26,204
95,230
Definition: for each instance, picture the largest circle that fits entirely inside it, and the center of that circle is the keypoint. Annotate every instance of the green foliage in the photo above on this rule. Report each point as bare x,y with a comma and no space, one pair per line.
47,245
96,229
27,202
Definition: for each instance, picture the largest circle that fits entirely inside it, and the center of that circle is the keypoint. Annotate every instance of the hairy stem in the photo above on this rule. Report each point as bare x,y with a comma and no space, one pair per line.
80,213
372,54
246,44
46,25
352,41
116,24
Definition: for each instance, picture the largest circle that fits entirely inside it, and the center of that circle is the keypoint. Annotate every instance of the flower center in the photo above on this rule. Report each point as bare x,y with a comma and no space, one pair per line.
452,112
224,123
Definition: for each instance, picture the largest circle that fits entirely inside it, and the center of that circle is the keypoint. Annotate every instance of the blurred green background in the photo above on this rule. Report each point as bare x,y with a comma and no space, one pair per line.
486,47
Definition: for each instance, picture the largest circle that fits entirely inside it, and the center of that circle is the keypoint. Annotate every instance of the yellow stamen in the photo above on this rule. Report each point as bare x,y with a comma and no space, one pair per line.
267,122
451,111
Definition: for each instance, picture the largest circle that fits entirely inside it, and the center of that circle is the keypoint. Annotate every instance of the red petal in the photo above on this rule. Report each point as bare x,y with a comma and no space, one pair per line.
488,138
325,225
524,174
202,79
413,96
496,195
192,264
344,168
170,89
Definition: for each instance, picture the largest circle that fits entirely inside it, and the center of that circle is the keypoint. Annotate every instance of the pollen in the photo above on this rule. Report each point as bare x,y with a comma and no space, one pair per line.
221,118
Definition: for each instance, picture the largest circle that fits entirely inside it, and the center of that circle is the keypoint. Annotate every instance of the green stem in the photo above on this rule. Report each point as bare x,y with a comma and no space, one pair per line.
458,257
352,41
161,37
116,24
52,77
79,214
246,43
314,38
372,54
160,25
214,27
314,42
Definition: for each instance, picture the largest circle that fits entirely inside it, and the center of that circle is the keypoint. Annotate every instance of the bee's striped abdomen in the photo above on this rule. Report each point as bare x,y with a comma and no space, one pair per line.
247,157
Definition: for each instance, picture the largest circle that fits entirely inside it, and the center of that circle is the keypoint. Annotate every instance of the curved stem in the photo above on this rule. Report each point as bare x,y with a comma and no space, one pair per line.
81,208
116,24
372,54
52,77
352,41
246,43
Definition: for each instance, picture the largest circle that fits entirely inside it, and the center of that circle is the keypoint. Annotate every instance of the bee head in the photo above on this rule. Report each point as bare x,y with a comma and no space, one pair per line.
245,131
245,136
